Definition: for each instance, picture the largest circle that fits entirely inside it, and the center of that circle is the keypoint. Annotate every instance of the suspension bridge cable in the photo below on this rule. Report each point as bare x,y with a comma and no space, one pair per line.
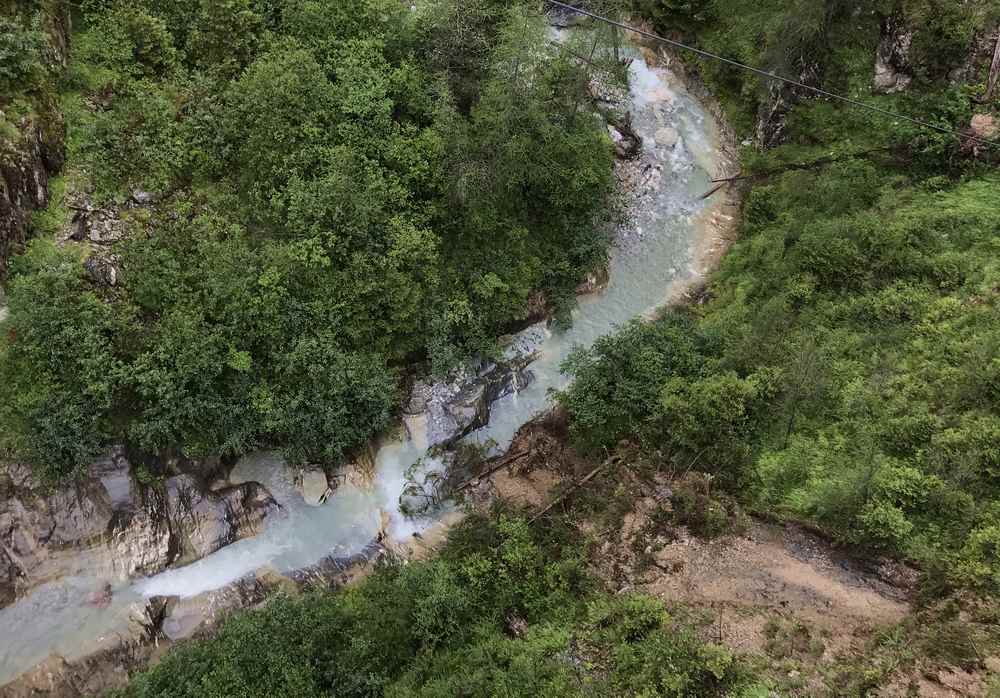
771,75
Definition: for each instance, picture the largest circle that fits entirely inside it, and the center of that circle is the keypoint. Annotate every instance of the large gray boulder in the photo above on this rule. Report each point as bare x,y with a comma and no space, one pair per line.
314,486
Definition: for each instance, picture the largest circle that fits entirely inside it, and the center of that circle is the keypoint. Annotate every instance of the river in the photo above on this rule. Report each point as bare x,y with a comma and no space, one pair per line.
656,250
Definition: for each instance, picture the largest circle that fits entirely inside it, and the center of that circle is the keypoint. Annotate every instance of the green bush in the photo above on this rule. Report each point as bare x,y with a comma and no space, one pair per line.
59,378
617,383
21,49
844,370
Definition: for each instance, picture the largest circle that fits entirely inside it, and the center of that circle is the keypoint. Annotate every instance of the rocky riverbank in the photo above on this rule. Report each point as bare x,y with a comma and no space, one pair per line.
120,522
111,526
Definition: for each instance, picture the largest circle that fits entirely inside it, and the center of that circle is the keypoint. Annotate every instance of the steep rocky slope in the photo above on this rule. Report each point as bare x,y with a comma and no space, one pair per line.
32,138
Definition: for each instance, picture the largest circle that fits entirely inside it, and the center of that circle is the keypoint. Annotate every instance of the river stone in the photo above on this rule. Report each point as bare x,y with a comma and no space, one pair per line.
660,94
458,406
185,617
666,137
314,487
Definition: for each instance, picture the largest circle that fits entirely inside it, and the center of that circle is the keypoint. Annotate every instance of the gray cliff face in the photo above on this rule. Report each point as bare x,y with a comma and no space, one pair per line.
772,112
111,526
893,72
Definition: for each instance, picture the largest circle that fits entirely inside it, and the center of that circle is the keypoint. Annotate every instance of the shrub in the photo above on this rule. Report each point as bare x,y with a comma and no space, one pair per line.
20,54
59,377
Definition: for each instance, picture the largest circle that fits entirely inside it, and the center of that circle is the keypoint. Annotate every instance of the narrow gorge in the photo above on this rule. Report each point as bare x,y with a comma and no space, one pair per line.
180,544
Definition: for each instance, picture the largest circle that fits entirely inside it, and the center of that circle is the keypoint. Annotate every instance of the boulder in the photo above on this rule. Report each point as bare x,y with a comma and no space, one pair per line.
984,126
627,142
202,522
142,198
314,486
99,227
102,269
451,409
666,137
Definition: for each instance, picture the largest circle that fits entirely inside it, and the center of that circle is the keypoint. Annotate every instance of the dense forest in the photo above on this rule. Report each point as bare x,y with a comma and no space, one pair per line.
310,197
320,196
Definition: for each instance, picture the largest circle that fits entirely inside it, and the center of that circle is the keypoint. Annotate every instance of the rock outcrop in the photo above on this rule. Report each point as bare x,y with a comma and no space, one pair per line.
442,412
37,150
111,526
893,72
772,112
26,164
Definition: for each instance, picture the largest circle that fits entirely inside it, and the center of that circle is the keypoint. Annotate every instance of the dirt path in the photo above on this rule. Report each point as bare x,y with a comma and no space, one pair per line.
776,570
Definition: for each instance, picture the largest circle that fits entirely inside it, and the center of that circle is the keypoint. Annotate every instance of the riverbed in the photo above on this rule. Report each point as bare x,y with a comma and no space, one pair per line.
656,250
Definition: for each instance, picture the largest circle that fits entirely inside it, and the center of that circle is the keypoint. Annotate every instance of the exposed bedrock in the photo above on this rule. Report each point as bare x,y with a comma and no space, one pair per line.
109,525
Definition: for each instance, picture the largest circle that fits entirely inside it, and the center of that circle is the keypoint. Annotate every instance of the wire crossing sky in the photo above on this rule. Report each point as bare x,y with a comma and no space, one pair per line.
773,76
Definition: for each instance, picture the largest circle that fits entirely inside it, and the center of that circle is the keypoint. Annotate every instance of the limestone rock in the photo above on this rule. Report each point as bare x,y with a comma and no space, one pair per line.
772,112
314,487
893,72
627,142
41,532
102,269
456,407
99,226
183,618
109,526
49,678
202,522
24,177
38,151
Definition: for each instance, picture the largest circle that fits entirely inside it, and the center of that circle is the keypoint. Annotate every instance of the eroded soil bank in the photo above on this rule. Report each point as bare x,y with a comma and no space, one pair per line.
816,618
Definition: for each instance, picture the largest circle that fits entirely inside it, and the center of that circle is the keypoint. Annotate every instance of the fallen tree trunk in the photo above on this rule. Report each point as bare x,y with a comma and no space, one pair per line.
571,490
